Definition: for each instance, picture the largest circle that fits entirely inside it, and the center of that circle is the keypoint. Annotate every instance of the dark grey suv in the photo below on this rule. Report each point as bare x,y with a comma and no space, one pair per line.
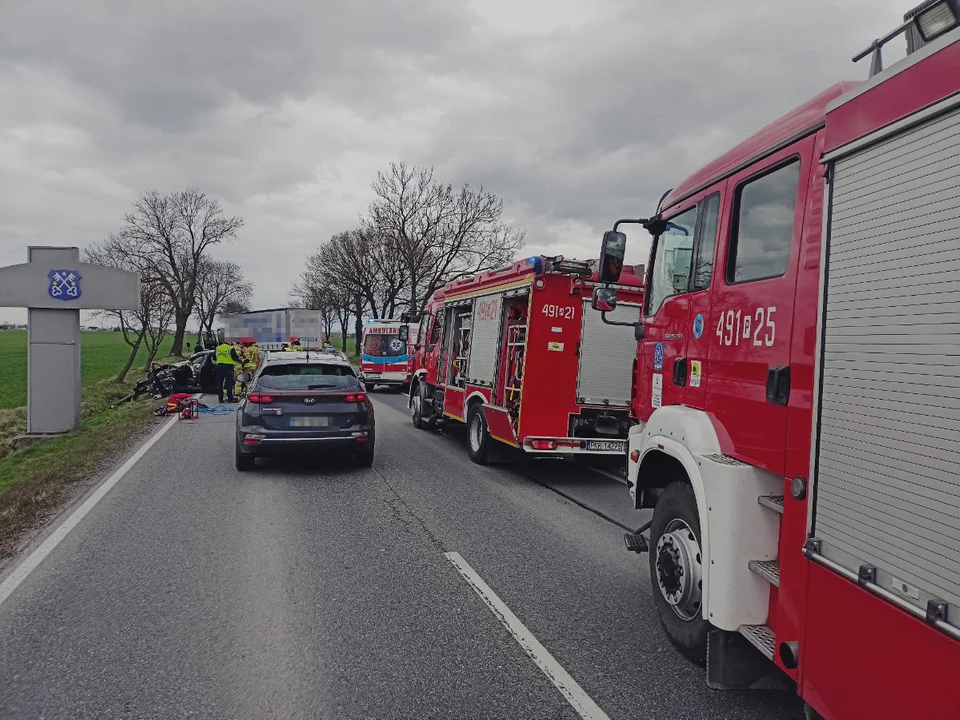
304,404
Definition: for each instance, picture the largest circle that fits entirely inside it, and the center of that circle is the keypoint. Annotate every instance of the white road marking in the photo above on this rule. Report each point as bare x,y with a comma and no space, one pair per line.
46,547
568,687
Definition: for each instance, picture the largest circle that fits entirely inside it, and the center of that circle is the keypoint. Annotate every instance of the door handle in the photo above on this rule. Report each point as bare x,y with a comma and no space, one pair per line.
778,385
680,371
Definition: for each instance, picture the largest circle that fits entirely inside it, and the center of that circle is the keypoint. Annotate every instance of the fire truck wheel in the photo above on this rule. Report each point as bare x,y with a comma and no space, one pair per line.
676,571
418,402
478,438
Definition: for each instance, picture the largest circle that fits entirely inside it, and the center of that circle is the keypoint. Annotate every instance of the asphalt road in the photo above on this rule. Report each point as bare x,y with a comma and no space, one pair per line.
317,590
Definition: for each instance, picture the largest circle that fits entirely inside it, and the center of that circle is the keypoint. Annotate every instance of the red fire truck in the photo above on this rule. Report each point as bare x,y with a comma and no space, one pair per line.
512,354
799,395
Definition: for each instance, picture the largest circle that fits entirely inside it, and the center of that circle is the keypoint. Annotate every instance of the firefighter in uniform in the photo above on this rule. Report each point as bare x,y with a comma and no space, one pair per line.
227,359
294,345
249,359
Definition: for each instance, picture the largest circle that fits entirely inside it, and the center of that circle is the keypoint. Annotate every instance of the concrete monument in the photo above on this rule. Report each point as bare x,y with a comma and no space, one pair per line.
55,286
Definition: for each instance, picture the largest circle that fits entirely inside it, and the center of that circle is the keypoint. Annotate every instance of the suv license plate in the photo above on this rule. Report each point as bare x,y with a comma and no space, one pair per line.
310,421
607,445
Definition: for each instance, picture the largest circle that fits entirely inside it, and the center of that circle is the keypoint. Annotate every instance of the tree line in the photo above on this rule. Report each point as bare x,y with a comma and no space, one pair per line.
168,239
418,234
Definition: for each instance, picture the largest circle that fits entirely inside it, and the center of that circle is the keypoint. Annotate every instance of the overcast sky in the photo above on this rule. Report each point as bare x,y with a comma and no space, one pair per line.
575,112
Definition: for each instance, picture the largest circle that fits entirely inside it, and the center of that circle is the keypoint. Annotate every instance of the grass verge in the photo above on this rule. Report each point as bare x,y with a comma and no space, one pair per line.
34,480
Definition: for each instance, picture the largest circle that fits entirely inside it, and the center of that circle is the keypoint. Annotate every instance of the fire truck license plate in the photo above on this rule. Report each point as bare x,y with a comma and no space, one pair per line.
608,445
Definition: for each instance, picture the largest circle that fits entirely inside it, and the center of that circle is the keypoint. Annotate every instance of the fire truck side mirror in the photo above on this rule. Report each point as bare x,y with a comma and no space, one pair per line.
612,251
604,299
639,331
403,332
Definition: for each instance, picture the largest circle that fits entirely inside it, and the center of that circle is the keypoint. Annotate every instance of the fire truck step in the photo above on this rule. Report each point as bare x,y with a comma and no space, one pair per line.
769,570
762,638
774,502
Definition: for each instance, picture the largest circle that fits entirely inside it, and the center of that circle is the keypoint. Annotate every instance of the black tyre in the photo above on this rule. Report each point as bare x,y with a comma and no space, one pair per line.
676,575
478,437
244,462
418,403
810,714
363,458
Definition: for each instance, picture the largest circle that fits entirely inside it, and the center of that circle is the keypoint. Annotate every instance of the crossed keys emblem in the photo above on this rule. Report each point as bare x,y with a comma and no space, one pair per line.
64,284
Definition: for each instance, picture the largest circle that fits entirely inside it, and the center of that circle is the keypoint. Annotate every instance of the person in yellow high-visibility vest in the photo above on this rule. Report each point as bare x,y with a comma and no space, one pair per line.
227,359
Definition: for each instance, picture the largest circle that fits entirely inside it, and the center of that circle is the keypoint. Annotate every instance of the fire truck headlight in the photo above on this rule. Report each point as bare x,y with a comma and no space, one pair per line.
938,19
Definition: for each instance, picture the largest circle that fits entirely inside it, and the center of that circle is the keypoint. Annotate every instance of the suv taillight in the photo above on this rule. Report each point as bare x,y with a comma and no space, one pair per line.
259,398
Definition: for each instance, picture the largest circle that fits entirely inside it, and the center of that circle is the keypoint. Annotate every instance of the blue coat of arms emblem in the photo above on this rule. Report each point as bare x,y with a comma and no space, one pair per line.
64,284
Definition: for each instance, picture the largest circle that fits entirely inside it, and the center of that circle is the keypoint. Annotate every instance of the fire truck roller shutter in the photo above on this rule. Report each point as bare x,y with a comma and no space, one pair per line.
607,353
887,491
485,339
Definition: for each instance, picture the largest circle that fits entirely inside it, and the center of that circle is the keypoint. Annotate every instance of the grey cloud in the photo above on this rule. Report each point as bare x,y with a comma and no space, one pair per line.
286,110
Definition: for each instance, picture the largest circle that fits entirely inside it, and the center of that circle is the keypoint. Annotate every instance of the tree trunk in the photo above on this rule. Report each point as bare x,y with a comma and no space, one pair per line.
150,356
181,319
133,356
358,324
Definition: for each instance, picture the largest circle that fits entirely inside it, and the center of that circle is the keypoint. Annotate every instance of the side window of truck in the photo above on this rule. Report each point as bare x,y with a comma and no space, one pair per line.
706,242
437,329
764,210
670,273
422,339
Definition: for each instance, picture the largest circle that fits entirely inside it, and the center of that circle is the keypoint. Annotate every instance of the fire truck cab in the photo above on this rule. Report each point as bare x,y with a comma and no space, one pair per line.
799,397
514,354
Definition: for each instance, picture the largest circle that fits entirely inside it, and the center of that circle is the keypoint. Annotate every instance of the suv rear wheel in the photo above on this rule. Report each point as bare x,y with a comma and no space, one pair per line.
364,457
244,461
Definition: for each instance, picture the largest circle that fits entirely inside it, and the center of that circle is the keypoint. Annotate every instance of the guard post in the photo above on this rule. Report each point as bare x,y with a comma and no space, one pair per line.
55,286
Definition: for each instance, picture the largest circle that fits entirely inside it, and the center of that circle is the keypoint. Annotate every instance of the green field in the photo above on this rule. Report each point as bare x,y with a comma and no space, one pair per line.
102,355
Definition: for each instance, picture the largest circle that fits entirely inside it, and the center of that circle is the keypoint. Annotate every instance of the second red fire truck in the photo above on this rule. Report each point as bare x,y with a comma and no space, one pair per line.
514,355
799,396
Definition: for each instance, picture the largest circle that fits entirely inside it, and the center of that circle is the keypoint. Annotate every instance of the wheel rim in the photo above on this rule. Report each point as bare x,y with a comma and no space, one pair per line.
417,407
679,569
476,432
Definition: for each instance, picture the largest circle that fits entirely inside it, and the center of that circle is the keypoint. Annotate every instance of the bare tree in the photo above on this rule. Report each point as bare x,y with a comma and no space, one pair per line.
318,288
156,322
437,233
221,289
172,233
146,326
363,262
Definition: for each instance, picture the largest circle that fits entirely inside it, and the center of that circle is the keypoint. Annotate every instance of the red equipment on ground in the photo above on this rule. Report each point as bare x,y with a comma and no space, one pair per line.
516,355
798,396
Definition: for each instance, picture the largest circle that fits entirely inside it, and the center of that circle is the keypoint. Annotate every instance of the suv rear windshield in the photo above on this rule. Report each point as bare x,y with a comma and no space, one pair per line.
313,376
383,345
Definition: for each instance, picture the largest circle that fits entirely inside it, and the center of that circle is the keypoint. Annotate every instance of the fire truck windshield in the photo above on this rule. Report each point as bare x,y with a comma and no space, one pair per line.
383,345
